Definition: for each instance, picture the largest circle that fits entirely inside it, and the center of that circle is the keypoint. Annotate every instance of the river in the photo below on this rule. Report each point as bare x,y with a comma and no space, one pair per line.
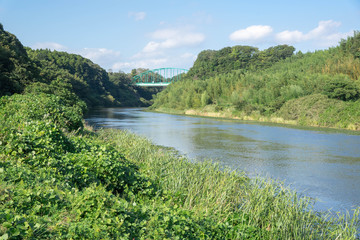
320,163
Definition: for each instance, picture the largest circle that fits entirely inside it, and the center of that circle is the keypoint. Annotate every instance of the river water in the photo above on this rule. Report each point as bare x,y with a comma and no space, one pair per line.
320,163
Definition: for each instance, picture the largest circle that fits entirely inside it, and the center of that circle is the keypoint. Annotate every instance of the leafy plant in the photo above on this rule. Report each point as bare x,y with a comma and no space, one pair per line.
341,87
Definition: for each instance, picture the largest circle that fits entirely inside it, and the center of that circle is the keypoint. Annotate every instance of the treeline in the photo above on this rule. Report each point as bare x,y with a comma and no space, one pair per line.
210,62
34,71
318,88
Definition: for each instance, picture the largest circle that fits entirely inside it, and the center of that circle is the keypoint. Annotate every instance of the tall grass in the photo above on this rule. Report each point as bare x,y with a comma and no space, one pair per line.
272,209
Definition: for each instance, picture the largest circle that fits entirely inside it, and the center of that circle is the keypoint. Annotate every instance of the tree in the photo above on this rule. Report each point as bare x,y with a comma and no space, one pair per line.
340,87
352,44
205,99
16,69
133,72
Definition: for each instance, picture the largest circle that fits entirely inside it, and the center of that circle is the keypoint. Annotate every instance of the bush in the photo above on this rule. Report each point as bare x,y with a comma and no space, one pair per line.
18,109
309,107
319,110
205,99
342,88
352,44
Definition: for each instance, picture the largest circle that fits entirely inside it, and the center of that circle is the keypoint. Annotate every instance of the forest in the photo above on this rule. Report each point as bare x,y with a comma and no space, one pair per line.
320,88
24,70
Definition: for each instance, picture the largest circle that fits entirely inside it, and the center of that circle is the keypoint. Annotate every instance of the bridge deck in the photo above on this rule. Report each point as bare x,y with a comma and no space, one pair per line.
160,77
152,84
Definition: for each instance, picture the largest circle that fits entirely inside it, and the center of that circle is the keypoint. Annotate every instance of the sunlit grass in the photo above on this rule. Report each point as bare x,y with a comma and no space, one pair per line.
274,210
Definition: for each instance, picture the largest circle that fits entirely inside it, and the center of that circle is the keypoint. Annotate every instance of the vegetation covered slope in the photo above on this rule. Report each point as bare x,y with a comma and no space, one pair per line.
60,181
327,82
211,62
24,69
16,69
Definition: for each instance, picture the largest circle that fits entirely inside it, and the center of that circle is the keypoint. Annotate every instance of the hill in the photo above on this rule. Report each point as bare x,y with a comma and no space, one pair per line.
27,70
16,69
272,88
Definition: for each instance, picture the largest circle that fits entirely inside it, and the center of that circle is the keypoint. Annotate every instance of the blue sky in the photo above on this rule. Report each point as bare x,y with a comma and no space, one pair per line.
122,35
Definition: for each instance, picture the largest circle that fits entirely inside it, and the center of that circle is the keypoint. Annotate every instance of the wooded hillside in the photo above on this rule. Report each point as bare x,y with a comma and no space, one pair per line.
274,83
27,70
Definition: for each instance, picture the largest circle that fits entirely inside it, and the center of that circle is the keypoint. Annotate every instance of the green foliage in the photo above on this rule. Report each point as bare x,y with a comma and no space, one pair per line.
59,181
319,110
60,185
50,179
341,87
272,55
352,44
268,80
210,63
88,80
23,69
205,99
126,93
241,208
291,91
60,88
19,109
16,69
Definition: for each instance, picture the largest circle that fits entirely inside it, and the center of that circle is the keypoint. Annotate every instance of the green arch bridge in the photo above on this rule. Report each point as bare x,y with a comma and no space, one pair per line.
159,77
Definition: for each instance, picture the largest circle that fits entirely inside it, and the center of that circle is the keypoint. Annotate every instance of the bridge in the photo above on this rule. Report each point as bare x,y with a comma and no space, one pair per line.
159,77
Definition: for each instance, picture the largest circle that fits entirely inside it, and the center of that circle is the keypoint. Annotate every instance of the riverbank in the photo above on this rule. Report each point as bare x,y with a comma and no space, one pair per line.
318,89
230,113
61,180
256,208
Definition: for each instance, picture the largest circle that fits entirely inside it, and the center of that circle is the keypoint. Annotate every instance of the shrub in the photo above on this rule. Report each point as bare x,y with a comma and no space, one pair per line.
42,107
342,88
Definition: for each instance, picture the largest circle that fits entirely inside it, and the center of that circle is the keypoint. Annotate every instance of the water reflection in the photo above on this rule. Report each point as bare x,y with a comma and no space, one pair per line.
324,164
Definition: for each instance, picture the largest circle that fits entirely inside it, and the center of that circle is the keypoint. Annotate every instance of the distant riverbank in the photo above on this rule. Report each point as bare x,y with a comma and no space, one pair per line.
230,113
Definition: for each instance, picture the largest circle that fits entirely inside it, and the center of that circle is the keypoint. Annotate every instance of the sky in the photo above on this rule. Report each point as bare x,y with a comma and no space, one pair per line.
123,35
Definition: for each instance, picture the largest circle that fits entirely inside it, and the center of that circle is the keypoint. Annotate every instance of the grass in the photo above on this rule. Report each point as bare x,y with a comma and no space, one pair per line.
61,181
268,209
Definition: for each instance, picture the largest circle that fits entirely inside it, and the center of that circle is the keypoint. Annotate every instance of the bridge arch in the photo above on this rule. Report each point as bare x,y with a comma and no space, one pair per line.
159,77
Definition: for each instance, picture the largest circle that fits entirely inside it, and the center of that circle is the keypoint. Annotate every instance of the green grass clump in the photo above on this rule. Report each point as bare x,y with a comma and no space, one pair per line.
18,109
255,208
319,110
60,182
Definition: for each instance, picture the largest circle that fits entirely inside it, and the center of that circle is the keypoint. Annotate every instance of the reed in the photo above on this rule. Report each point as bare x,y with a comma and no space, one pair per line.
274,210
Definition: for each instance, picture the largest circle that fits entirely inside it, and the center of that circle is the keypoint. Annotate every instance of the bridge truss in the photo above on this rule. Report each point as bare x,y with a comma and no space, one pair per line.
159,77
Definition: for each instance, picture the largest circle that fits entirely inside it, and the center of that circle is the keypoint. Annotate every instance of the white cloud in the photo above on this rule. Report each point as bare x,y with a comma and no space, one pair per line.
290,36
323,29
164,33
151,47
326,34
146,63
96,54
251,33
173,38
137,15
188,55
165,49
102,56
49,45
153,61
